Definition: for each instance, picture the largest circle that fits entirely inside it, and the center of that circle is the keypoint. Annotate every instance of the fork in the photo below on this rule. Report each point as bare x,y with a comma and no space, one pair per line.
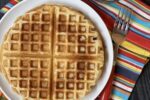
120,29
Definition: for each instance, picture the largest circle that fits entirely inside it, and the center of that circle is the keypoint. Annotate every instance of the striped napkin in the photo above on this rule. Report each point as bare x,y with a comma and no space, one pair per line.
129,65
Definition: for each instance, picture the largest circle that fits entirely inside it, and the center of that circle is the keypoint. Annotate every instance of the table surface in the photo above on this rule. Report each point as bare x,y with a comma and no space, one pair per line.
142,89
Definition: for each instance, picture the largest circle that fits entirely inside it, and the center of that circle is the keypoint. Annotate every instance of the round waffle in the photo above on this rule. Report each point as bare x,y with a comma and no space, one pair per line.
53,53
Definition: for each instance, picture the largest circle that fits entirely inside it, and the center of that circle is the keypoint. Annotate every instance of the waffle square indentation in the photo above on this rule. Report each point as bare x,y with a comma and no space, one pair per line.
25,37
35,27
45,47
34,73
70,95
80,86
14,73
44,84
72,38
23,92
60,64
92,39
62,18
60,85
16,27
82,39
62,28
100,66
14,46
100,49
72,49
43,94
72,29
14,82
25,27
23,83
34,63
70,85
15,37
72,18
45,38
60,75
92,29
33,93
71,65
45,27
70,75
91,66
34,47
61,48
44,74
35,37
25,47
33,84
92,49
24,73
26,18
80,75
44,64
61,38
59,95
82,49
46,17
13,62
36,17
90,76
81,65
82,29
24,63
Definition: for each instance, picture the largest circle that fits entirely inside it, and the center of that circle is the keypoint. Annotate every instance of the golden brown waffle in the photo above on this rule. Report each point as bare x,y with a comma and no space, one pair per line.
53,53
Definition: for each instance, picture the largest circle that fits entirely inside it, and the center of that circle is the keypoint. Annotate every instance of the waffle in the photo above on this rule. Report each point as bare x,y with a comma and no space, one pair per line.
53,52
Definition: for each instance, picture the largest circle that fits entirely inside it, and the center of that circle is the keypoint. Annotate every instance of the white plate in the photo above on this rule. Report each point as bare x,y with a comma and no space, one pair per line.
27,5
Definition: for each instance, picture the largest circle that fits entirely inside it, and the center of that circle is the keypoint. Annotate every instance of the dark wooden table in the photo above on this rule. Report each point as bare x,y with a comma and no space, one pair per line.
142,89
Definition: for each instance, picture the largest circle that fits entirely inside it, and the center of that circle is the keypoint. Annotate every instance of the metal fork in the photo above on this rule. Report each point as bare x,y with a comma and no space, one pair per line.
120,29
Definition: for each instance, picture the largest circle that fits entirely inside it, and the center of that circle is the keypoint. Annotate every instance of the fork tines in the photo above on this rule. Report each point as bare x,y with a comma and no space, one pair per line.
122,20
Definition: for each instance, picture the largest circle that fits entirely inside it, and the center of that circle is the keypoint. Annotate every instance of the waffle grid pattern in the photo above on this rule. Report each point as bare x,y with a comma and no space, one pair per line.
80,38
77,80
53,52
30,44
74,76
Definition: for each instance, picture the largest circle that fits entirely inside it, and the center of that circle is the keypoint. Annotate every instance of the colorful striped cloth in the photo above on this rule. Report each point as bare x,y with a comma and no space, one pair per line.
9,6
129,65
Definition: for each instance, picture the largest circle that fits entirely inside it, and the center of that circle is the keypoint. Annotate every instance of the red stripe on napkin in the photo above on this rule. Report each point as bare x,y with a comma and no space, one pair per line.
138,40
121,51
107,19
13,2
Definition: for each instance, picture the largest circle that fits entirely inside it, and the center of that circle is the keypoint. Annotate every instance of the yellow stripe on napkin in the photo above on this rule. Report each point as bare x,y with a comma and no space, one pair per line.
136,49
